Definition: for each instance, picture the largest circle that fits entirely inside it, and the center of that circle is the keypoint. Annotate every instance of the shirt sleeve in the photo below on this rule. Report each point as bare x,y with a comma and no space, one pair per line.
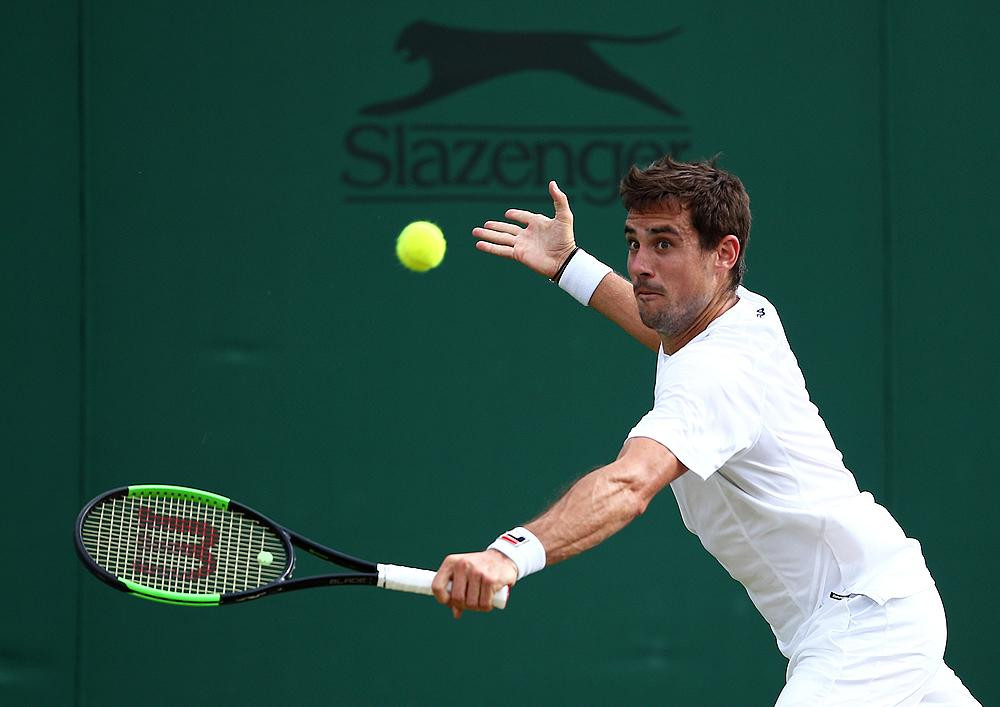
707,409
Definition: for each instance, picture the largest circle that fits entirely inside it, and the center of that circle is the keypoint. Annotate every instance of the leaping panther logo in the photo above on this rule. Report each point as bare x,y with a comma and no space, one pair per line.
460,58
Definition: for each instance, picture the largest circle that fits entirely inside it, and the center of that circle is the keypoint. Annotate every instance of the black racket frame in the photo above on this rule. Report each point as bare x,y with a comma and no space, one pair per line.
366,573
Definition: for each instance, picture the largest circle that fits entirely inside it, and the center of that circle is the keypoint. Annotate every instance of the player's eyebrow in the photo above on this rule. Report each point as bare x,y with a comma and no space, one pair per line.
655,230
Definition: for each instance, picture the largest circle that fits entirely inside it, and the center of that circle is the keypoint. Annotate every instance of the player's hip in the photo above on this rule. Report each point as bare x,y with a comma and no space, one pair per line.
854,650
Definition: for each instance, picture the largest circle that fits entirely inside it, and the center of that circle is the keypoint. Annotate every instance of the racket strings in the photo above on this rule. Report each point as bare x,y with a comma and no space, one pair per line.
180,545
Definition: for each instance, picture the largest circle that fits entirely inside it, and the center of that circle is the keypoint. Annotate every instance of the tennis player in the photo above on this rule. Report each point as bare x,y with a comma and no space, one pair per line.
754,470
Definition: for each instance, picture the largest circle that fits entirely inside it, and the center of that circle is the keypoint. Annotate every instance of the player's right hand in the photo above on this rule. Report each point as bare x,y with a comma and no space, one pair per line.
474,578
542,243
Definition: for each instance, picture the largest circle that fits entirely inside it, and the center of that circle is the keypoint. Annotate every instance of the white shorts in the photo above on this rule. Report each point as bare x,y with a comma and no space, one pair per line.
854,651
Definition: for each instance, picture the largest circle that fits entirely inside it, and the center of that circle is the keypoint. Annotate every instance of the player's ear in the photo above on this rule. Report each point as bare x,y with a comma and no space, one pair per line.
727,252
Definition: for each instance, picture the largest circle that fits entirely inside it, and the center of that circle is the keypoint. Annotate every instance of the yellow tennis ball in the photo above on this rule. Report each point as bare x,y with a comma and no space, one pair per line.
420,246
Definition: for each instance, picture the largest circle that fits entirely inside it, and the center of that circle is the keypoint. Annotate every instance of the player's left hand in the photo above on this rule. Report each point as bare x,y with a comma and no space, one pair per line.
542,243
475,577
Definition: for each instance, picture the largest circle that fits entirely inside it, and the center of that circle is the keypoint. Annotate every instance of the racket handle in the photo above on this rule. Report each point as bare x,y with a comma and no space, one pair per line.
411,579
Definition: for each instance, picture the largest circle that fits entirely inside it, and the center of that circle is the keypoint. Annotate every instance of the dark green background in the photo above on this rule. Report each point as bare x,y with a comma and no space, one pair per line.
192,295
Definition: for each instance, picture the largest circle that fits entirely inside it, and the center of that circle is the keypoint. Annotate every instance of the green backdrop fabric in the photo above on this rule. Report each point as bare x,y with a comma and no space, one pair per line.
200,207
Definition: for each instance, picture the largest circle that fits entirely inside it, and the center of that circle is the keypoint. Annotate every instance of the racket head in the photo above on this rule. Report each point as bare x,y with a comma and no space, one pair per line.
180,545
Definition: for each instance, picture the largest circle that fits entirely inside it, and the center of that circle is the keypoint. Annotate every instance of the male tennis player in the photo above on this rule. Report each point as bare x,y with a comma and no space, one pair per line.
732,431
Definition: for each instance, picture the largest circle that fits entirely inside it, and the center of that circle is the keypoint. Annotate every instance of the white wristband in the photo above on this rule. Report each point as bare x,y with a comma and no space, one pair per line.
521,546
582,275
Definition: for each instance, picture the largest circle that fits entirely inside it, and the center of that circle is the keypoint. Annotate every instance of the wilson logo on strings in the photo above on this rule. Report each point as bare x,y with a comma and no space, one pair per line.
164,551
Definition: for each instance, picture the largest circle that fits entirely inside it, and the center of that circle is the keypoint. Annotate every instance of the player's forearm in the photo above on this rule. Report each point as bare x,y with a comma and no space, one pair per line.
595,508
615,299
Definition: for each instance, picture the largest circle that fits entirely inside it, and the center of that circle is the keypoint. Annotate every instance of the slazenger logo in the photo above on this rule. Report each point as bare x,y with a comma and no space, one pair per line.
460,58
402,161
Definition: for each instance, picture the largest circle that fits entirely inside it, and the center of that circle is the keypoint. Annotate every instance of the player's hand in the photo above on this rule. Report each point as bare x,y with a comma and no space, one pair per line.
542,243
475,577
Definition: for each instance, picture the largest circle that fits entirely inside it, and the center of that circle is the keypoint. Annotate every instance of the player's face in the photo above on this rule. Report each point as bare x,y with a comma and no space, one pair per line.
674,280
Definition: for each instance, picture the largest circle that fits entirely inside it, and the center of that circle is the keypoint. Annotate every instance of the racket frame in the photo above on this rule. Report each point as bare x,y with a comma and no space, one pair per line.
366,573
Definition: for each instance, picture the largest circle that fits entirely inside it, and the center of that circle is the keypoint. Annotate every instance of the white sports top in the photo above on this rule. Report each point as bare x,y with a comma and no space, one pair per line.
767,492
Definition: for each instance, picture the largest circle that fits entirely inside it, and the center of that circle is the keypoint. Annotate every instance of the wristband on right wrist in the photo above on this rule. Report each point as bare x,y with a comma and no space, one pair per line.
581,275
523,548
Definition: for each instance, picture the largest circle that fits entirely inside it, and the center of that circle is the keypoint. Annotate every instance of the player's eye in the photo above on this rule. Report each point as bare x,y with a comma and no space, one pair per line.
632,244
662,244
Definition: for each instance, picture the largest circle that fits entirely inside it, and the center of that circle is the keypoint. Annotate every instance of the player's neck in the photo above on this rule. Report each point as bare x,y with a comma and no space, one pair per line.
716,307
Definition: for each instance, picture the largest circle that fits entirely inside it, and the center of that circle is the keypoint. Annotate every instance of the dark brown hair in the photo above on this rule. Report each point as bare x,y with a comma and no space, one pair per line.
717,201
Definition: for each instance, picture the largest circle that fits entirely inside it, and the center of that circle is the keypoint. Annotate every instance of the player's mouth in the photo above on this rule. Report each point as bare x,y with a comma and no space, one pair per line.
647,292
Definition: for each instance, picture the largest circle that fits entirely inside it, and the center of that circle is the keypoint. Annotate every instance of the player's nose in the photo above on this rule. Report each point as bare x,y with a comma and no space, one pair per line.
639,265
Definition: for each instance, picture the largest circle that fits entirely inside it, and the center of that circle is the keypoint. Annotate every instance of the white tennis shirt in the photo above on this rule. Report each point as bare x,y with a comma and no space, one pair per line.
767,492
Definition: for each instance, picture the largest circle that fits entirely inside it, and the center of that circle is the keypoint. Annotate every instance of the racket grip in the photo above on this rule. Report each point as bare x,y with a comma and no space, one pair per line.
410,579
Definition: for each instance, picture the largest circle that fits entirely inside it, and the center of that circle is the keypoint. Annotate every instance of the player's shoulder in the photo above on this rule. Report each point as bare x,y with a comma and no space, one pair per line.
753,308
751,324
755,301
739,336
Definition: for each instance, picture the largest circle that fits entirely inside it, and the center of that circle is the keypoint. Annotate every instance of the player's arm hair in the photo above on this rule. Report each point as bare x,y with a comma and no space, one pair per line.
615,300
607,499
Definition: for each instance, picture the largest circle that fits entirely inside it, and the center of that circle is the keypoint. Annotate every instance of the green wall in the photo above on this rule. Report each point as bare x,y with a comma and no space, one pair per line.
200,288
42,384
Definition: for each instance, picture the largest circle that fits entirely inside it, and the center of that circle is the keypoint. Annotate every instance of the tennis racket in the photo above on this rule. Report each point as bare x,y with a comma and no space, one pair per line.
195,548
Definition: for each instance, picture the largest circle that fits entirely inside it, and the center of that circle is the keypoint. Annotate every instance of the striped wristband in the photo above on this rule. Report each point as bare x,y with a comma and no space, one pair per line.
581,275
521,546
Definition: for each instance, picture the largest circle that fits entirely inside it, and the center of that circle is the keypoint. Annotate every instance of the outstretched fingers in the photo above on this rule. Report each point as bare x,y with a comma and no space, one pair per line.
502,227
521,216
538,241
504,251
496,238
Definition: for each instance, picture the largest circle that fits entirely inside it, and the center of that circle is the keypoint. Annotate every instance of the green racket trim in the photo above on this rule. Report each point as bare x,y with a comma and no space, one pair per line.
212,499
171,597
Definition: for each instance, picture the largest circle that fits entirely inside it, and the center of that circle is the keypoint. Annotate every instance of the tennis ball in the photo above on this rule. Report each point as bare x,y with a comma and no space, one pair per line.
265,558
420,246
